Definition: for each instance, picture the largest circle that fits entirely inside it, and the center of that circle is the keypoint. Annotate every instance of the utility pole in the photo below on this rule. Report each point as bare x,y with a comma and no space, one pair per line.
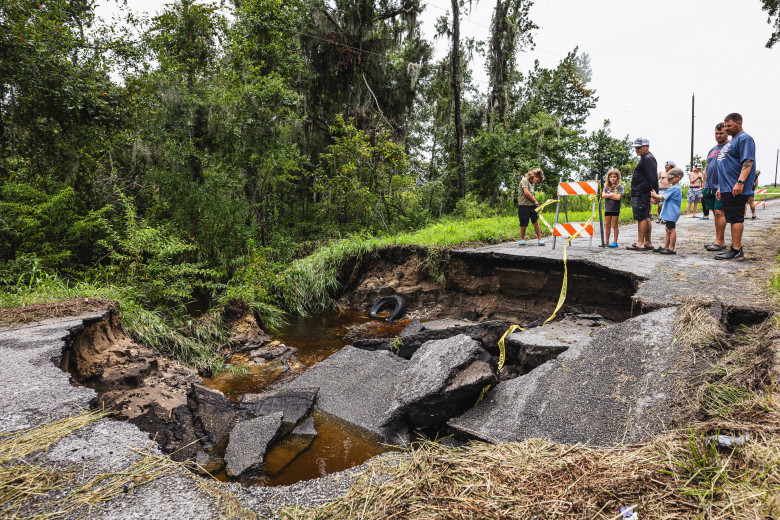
693,99
777,157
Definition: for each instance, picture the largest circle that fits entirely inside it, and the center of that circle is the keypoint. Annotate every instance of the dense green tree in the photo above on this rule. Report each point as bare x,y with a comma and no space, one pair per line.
602,152
510,32
772,7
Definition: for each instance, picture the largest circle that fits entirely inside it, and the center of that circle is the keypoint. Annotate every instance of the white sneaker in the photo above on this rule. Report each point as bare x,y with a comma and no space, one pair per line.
522,243
541,242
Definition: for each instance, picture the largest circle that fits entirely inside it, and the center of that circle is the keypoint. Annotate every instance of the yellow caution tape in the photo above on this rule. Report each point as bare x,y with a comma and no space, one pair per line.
564,285
501,357
539,212
561,297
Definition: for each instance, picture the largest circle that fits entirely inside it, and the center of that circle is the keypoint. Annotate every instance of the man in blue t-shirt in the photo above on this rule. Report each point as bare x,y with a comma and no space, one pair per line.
711,187
736,176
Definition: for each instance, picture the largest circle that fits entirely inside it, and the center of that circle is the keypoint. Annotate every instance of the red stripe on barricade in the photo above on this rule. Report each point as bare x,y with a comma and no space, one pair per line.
567,188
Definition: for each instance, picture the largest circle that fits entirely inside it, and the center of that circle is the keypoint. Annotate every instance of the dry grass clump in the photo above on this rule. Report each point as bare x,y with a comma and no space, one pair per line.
678,476
32,491
698,325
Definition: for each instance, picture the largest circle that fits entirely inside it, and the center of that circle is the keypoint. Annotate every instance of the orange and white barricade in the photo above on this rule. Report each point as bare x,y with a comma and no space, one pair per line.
569,229
760,202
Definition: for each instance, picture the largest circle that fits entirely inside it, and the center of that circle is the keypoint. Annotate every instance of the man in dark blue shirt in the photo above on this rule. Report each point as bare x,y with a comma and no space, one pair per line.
736,177
643,181
711,188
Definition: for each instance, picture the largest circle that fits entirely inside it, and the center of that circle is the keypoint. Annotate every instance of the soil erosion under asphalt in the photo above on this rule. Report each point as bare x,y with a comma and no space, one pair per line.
606,372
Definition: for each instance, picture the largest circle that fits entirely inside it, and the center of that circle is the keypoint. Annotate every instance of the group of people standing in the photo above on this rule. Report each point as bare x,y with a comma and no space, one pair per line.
725,187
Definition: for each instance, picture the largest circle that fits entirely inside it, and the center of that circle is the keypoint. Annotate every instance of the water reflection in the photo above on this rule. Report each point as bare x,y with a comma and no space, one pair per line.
338,445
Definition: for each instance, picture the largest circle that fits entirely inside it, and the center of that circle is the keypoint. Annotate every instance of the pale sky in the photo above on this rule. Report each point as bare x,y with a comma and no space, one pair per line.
648,58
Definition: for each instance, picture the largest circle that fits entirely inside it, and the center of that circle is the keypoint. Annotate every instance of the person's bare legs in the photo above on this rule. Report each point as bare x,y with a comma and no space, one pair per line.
538,230
736,235
720,227
608,222
615,223
522,233
643,235
671,239
660,207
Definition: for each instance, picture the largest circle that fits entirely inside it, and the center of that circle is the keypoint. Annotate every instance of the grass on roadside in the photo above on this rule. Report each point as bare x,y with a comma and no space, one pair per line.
198,347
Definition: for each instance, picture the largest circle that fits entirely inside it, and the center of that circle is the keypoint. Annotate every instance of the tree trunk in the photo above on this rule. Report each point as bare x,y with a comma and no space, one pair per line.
498,64
456,97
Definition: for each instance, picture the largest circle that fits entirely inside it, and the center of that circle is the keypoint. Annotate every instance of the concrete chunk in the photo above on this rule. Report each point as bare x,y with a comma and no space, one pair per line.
617,388
356,386
249,441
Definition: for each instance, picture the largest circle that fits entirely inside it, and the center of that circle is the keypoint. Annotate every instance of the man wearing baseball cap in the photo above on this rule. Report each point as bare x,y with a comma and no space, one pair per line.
643,181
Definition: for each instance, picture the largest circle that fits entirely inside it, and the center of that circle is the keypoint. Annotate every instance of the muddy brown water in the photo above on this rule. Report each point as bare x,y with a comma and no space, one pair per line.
337,446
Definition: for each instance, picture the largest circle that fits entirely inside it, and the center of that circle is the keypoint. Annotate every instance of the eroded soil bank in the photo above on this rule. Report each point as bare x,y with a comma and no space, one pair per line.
477,287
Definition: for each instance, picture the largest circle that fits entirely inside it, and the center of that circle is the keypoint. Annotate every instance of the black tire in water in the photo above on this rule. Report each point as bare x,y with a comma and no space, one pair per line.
398,303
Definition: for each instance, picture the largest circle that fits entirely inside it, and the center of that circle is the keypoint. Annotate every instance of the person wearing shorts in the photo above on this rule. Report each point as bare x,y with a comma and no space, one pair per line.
695,179
643,181
671,213
613,192
663,185
526,204
736,177
711,188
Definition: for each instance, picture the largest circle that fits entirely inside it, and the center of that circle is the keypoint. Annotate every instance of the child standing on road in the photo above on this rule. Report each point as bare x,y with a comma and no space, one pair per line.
671,212
526,209
613,192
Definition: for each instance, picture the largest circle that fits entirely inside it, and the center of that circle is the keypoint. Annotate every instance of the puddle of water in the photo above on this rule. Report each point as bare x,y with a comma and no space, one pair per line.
337,446
313,339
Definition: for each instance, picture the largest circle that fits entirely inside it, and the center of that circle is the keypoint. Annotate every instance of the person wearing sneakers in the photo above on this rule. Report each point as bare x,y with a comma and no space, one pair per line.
643,181
613,192
736,177
526,208
711,187
671,212
663,184
694,189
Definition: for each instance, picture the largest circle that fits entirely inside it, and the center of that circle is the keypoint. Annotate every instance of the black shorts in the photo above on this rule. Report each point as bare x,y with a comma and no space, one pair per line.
734,207
671,225
640,206
526,213
611,213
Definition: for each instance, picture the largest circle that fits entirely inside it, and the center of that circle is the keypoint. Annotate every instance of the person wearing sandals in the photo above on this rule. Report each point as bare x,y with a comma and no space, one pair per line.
526,204
643,181
694,189
671,212
613,192
711,187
